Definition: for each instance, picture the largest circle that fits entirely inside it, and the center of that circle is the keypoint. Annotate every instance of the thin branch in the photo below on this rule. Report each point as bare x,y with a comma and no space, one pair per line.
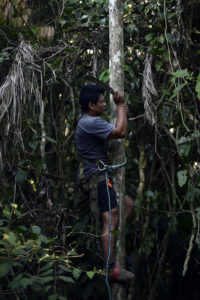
135,118
191,243
161,262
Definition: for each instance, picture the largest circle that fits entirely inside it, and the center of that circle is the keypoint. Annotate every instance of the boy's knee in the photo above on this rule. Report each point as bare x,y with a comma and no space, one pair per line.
114,217
129,202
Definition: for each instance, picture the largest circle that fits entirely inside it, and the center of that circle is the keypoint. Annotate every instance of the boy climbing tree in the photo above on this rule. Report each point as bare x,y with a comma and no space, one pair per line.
90,136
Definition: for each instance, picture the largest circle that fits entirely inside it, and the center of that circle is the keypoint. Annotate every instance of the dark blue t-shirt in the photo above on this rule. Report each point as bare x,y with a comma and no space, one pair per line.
90,135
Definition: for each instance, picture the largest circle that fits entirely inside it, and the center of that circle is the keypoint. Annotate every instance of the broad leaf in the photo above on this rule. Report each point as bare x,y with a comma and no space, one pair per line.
4,269
76,273
66,279
197,87
36,229
182,177
180,73
21,176
46,267
90,274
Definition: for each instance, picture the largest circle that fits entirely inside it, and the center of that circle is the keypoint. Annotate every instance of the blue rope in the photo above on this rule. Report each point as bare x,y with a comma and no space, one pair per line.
110,239
106,168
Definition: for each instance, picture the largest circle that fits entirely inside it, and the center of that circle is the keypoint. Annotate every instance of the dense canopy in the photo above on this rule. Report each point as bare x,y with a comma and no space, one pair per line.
48,242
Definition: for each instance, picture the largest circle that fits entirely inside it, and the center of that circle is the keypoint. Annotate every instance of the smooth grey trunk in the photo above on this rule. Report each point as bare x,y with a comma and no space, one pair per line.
116,69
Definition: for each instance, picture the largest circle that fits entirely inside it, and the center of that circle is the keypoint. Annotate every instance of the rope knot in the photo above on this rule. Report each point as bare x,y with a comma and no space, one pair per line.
102,167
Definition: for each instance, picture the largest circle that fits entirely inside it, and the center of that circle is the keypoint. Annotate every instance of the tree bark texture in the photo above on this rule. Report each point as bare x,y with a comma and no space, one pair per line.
116,68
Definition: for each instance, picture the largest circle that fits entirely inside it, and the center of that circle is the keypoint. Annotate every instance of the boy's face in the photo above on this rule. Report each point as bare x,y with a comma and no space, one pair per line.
98,108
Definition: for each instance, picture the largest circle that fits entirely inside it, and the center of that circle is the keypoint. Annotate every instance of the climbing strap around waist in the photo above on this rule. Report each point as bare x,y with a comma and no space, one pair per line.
101,175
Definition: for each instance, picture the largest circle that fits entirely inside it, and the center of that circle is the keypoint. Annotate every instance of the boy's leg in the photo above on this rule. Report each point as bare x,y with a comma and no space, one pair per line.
105,233
129,207
115,272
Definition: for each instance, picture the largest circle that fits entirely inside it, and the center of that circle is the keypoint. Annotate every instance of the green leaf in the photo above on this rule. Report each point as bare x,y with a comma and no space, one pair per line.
22,227
115,232
62,22
16,282
21,176
43,238
33,144
6,212
170,38
4,269
46,289
76,273
182,177
50,139
46,279
184,146
20,251
29,244
149,194
56,297
17,264
104,76
18,213
53,297
184,150
149,36
4,243
158,65
50,271
198,213
183,140
177,89
161,39
12,237
180,73
90,274
26,281
47,266
64,268
37,286
92,228
66,279
36,229
193,193
197,87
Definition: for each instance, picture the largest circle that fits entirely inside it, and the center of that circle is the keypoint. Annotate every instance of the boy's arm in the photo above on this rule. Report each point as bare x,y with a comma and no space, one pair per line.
121,123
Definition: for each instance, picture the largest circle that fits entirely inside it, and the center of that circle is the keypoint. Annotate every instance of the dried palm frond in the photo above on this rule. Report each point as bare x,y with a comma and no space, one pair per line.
148,90
17,88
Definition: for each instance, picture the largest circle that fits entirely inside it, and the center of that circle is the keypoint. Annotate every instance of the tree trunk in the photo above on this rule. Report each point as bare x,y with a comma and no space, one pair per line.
116,68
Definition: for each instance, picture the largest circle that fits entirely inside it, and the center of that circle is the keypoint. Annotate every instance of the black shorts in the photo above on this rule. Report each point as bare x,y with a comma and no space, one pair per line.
103,196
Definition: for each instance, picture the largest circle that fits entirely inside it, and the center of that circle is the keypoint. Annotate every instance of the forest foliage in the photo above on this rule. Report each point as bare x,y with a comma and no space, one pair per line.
48,248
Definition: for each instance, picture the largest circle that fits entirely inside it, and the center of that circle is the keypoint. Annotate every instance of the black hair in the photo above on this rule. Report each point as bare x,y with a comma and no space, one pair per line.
89,93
